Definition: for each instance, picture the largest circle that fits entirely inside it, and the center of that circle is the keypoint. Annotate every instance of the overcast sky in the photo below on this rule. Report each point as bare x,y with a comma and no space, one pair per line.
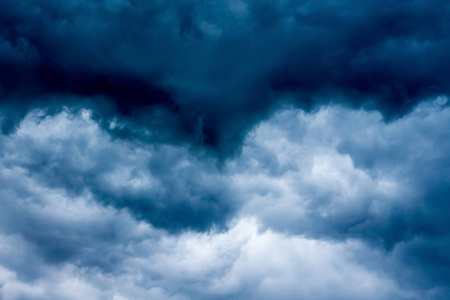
236,149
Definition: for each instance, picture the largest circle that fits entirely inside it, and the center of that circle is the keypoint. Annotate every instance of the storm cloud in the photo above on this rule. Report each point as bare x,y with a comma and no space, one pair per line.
231,149
335,198
219,67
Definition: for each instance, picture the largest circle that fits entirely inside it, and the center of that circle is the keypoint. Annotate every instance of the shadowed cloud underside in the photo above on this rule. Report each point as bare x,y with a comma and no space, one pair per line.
234,149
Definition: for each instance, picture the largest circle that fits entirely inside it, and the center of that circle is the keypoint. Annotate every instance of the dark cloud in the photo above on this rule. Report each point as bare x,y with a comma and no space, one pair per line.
220,66
119,118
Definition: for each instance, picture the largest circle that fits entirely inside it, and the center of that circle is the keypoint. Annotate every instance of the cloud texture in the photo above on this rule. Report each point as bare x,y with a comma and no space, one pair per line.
233,149
218,66
307,210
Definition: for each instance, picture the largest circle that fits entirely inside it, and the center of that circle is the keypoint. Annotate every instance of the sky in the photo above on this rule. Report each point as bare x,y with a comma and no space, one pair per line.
234,149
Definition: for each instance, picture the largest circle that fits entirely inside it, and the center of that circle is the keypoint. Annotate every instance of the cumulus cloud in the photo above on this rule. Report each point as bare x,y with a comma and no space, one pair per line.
332,204
350,171
233,149
340,173
242,263
72,153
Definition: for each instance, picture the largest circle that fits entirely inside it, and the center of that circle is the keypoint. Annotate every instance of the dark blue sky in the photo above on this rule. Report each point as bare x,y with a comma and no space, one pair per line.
232,149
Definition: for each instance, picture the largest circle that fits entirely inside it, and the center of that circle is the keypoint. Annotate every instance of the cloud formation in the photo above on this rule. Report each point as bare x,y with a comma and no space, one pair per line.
238,264
235,149
162,184
307,210
218,67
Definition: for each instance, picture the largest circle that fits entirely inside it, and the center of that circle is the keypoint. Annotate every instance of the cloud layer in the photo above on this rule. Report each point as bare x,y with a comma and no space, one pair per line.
218,66
334,204
234,149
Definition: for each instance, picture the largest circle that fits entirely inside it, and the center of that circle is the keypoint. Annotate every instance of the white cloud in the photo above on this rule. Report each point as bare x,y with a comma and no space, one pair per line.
242,263
311,194
336,168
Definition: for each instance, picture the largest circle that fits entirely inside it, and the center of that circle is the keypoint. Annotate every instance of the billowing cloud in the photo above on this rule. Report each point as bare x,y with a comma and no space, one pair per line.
218,66
333,204
234,149
240,264
340,171
163,184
